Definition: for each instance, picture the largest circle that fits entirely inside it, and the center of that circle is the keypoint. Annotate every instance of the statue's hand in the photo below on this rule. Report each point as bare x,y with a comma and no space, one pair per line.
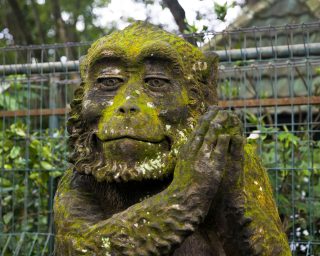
202,160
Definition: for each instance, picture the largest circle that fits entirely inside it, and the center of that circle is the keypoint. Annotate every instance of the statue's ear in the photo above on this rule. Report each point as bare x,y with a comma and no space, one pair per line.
211,76
206,72
83,66
207,69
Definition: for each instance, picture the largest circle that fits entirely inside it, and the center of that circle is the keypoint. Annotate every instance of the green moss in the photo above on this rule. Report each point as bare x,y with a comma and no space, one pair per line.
139,35
140,101
261,208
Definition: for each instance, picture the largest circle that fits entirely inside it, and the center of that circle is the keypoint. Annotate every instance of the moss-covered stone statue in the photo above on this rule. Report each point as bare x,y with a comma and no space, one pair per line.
157,168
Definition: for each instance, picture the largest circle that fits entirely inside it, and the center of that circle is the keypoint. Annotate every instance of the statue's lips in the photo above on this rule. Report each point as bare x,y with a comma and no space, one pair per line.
132,149
164,140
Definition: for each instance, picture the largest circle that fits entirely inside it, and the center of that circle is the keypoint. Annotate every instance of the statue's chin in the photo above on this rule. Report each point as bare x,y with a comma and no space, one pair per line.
127,160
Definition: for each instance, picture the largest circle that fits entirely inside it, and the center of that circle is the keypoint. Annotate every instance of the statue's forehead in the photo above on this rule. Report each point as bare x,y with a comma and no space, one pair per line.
136,54
138,41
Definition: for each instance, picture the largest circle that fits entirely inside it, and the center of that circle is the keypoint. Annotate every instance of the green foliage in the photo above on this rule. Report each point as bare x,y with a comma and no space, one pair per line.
29,162
192,28
42,26
14,94
221,9
293,160
227,90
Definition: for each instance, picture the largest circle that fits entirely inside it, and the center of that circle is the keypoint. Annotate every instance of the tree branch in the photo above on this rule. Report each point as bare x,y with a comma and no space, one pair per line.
178,13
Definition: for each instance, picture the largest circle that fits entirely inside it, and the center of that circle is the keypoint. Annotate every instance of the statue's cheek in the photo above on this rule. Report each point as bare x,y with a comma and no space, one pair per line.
172,106
93,104
177,115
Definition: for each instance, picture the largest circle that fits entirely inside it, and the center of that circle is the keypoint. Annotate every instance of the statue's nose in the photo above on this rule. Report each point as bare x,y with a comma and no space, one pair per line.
128,108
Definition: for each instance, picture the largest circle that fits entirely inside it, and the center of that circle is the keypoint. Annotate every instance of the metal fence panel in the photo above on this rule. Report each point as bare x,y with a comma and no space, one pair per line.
269,75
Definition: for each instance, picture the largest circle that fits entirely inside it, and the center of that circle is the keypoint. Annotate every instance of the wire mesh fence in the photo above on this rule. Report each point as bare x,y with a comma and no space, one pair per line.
269,75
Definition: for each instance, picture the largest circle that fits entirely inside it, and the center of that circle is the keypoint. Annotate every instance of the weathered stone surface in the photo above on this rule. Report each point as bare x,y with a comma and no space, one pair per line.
156,169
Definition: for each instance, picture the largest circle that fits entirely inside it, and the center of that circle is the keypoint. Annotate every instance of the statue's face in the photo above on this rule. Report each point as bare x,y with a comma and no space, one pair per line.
136,106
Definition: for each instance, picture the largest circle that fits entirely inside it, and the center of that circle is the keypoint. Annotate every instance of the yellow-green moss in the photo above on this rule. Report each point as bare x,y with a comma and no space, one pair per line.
260,206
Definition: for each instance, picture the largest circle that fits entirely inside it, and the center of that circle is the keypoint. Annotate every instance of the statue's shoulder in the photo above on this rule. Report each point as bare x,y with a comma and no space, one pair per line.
67,176
256,183
256,176
261,207
65,181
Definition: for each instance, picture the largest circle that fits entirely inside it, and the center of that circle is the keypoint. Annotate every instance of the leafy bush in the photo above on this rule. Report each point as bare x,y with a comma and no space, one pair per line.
30,163
293,161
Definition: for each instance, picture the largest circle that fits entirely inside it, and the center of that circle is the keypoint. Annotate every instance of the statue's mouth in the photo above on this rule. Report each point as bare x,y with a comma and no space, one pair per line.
166,140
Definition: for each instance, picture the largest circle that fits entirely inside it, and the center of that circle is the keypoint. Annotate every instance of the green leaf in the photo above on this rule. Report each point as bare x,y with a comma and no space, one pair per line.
46,152
7,166
20,132
35,143
15,151
8,101
5,182
3,87
34,175
45,165
7,217
55,174
6,200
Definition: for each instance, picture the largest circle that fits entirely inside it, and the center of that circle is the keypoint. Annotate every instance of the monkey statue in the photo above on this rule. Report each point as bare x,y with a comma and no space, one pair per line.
157,167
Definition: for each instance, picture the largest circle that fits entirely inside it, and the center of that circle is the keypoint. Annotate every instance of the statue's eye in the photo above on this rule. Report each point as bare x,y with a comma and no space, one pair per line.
156,82
110,83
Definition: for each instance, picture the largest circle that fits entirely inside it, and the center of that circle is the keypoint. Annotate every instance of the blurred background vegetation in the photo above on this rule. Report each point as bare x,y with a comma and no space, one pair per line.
28,22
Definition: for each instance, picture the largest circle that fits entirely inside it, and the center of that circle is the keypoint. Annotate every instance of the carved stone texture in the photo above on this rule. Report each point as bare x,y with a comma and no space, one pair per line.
157,168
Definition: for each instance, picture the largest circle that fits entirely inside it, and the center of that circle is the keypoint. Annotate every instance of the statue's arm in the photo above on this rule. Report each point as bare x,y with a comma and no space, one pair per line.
163,221
248,222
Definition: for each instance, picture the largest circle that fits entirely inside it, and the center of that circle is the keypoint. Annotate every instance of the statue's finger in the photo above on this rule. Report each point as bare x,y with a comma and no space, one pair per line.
210,140
236,159
236,146
221,117
235,124
203,123
221,149
218,158
196,138
215,150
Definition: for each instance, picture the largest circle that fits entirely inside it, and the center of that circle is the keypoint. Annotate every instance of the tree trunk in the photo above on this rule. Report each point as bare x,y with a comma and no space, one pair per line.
61,31
21,22
37,21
